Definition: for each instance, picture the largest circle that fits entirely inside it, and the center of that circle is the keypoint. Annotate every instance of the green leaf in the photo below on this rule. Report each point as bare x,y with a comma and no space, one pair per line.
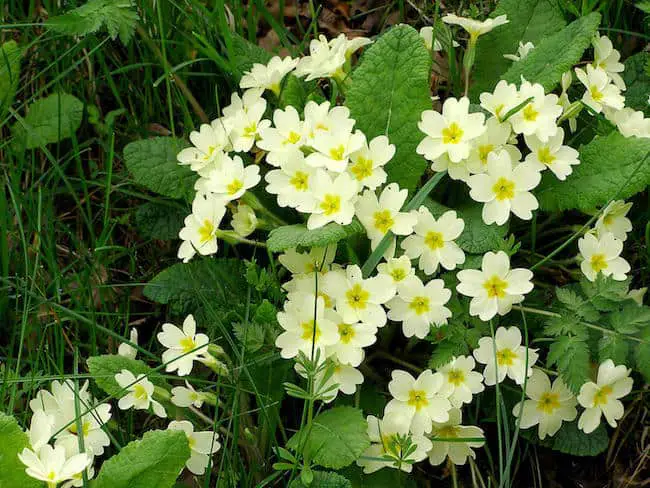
530,21
158,221
630,318
388,92
118,17
188,286
289,236
335,439
642,359
104,368
445,350
324,479
555,54
571,355
614,347
296,92
51,119
477,237
576,303
153,164
251,336
571,440
244,54
384,478
637,81
155,460
605,293
14,440
10,57
610,167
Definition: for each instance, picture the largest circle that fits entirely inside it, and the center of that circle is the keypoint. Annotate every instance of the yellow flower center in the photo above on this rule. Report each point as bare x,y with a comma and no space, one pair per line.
602,396
300,181
338,153
452,134
362,168
326,299
187,344
51,475
544,155
85,428
608,220
234,186
419,305
504,189
310,331
398,274
598,262
495,287
383,220
346,333
434,240
206,231
596,94
548,403
139,392
456,377
357,297
418,399
484,151
191,442
251,129
292,138
530,114
506,357
498,109
331,204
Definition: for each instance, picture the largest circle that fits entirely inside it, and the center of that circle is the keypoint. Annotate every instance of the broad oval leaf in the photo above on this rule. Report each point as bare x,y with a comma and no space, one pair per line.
610,167
555,54
289,236
155,460
51,119
153,164
10,56
388,92
530,21
335,439
104,368
14,440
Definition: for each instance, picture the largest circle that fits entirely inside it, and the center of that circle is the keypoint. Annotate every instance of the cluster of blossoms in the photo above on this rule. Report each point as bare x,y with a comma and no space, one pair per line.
324,168
318,164
72,418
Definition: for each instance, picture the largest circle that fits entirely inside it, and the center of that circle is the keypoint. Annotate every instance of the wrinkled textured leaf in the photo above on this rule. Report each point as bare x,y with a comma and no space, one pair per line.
289,236
153,164
555,54
605,293
610,166
571,440
221,283
51,119
10,57
155,460
637,81
158,221
388,92
104,368
530,21
118,17
642,358
336,438
12,470
614,347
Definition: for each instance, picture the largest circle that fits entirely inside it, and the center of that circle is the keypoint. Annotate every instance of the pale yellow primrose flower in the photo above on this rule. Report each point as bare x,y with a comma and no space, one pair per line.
475,28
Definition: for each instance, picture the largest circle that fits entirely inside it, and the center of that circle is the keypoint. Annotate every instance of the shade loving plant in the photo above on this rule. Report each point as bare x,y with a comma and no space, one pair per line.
377,202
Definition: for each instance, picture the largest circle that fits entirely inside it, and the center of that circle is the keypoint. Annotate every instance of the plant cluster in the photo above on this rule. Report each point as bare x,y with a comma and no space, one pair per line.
328,157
